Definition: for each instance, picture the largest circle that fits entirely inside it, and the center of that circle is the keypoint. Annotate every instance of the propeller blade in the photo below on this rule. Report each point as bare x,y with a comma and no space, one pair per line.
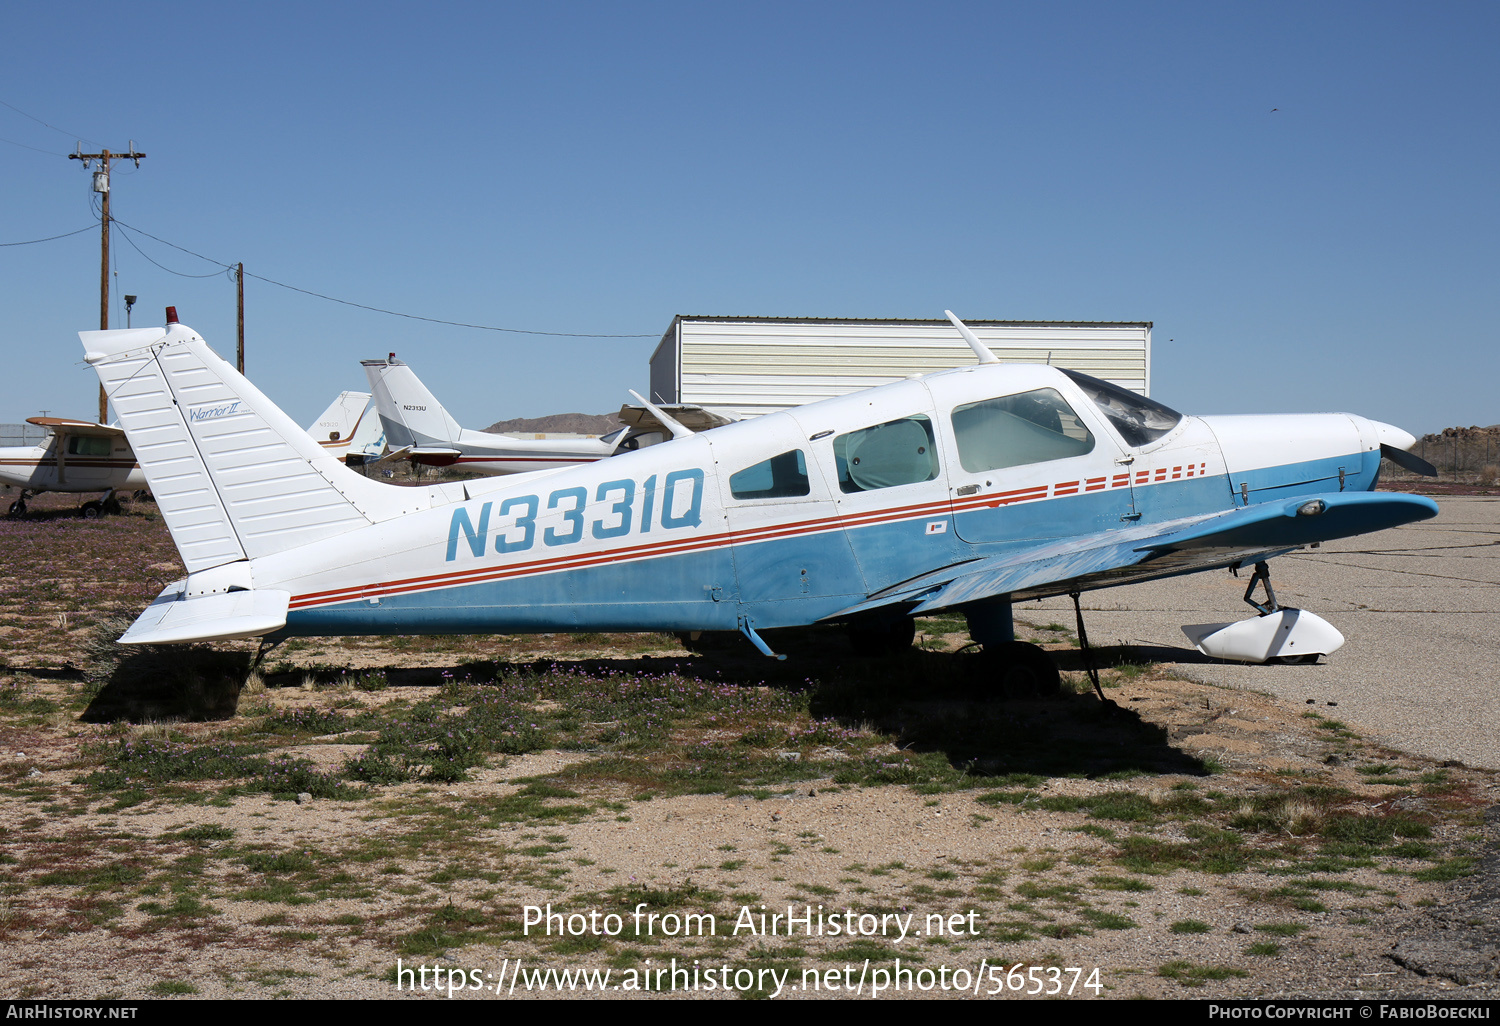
1407,460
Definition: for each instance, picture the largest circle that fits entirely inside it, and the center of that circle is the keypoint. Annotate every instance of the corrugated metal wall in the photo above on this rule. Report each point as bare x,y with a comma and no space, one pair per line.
16,435
753,366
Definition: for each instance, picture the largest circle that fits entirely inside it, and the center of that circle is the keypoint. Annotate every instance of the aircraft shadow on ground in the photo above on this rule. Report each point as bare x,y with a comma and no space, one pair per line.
1107,656
923,702
191,684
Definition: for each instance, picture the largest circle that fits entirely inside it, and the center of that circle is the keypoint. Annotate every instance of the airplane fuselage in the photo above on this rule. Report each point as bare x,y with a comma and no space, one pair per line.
795,516
44,468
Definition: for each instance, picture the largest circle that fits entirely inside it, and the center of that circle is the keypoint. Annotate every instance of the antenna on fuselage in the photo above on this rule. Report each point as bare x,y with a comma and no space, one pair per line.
678,431
980,349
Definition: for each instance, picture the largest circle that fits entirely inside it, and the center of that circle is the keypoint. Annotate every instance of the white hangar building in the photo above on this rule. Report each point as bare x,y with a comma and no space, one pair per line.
747,366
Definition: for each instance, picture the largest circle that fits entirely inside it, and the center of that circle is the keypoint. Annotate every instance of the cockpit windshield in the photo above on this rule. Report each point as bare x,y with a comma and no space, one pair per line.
1139,420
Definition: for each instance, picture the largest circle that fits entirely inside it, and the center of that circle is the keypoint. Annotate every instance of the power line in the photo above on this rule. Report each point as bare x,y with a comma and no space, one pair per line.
364,306
32,242
142,252
18,110
38,149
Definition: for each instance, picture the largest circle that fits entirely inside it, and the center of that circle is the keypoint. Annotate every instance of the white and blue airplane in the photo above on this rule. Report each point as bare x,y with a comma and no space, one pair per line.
967,489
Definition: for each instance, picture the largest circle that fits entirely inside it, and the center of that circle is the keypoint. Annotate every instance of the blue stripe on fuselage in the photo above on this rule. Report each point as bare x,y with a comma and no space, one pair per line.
699,590
1287,482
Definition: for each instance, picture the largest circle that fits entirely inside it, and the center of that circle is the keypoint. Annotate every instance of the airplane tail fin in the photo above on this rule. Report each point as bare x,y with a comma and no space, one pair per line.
235,478
410,413
335,429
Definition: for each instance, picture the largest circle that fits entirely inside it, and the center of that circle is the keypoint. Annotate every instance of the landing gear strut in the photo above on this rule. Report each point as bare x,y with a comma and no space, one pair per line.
1262,576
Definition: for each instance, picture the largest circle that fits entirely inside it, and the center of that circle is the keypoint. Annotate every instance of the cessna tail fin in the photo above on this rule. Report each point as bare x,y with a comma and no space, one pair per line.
235,478
336,427
411,414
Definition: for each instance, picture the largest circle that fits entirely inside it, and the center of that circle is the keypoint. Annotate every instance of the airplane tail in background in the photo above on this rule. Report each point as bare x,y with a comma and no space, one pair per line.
235,478
411,414
336,428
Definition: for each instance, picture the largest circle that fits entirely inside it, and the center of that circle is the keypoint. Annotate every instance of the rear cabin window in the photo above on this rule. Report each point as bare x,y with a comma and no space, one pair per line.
1012,431
779,477
88,445
897,452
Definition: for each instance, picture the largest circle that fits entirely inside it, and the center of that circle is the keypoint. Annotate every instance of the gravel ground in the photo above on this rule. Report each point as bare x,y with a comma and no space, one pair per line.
193,891
1043,891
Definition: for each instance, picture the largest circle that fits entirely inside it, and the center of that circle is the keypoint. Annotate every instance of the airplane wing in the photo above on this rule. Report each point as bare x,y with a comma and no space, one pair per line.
694,418
1131,554
430,455
67,425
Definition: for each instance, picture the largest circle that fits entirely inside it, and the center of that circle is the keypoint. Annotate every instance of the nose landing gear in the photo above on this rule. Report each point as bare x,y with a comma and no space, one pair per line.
1278,634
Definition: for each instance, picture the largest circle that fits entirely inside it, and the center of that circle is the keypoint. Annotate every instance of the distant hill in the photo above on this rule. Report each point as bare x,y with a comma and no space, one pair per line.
565,423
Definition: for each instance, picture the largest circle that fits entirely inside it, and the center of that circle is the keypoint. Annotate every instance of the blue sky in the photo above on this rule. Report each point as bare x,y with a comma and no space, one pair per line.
1301,196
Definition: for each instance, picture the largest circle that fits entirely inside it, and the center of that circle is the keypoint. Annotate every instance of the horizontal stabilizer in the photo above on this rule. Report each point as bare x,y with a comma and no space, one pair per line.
174,617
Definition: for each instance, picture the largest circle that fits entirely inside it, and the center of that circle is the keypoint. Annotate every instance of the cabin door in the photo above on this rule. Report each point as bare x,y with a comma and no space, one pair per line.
789,547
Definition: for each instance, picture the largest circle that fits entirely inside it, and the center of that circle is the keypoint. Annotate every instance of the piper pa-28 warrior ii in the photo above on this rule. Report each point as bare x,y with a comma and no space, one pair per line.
967,489
418,428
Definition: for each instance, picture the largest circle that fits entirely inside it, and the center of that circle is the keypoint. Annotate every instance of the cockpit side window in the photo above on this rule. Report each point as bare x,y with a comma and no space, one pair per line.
779,477
88,445
897,452
1139,420
1014,430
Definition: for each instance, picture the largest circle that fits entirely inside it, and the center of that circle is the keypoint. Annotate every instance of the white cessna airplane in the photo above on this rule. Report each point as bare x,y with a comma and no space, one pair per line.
76,456
417,428
966,489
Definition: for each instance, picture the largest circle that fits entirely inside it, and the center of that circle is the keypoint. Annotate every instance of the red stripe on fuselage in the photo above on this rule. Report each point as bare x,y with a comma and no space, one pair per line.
893,514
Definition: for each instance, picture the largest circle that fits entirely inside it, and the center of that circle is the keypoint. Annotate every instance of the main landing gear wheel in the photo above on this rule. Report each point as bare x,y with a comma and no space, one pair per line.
1304,659
881,637
18,508
91,510
1019,670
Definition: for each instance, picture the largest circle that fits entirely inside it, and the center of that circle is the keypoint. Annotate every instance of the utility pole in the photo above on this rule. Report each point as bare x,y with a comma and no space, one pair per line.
101,186
239,288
